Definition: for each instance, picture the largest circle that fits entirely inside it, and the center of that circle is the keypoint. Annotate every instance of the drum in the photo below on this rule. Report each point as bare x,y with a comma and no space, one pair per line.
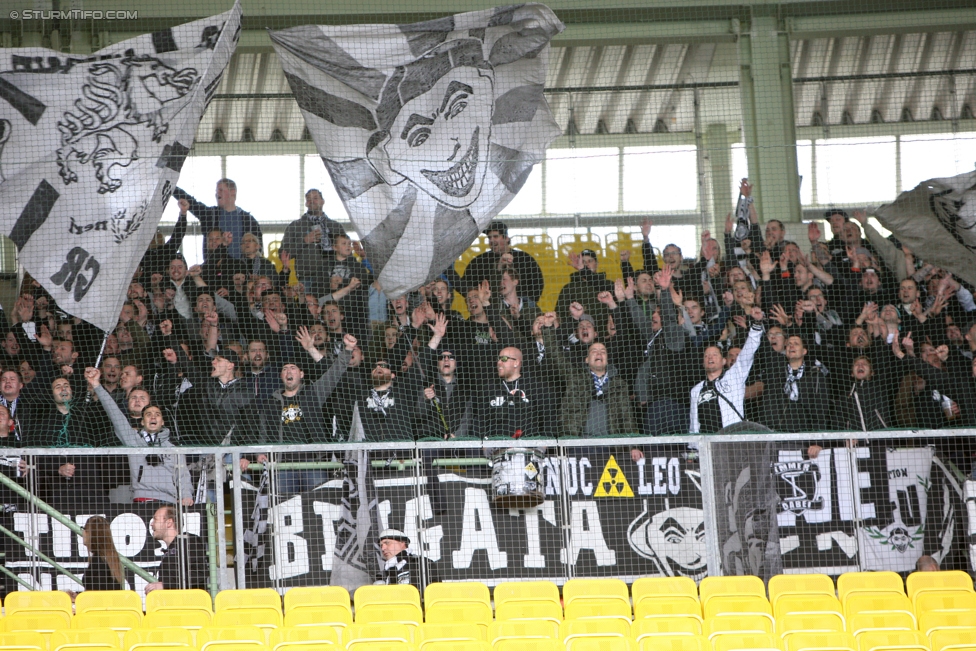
516,478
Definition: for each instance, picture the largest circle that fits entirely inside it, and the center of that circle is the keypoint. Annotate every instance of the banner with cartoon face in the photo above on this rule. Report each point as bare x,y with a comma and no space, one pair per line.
428,130
91,147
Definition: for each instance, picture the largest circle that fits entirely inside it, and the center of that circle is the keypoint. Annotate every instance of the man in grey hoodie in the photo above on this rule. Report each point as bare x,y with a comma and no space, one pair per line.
154,476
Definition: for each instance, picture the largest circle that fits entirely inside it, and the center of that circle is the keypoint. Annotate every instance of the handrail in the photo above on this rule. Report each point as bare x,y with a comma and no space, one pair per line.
41,555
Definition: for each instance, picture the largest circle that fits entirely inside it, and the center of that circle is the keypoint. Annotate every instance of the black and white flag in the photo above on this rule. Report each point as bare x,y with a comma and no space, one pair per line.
428,130
937,220
91,147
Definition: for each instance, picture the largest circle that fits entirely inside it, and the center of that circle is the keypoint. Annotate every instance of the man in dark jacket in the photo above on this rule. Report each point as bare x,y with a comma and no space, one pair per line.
514,405
184,563
796,394
225,216
490,264
310,241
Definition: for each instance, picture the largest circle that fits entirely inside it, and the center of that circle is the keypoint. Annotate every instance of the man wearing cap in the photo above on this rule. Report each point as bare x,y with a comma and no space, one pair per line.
398,566
489,265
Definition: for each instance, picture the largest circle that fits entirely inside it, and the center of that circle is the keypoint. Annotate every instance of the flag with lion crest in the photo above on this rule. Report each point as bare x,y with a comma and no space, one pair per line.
91,147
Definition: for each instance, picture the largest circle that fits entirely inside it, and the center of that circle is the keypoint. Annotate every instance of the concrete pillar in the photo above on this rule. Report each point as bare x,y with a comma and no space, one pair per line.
719,148
766,87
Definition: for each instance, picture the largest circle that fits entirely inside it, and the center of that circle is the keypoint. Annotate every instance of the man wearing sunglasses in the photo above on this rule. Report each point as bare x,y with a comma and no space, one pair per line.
390,404
513,405
445,407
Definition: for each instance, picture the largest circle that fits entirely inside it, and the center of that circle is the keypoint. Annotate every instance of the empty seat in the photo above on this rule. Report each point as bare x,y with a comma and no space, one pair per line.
459,632
108,600
104,638
752,642
852,582
600,644
728,606
471,611
388,603
794,584
664,608
740,586
808,623
221,638
528,644
886,621
306,646
457,593
742,625
936,620
665,627
522,629
944,601
600,608
803,604
185,600
455,645
192,620
118,620
23,640
330,615
398,635
261,617
595,589
963,639
317,597
821,642
574,629
672,588
548,610
948,581
309,635
674,643
250,599
38,601
41,622
166,647
886,640
532,591
869,602
141,637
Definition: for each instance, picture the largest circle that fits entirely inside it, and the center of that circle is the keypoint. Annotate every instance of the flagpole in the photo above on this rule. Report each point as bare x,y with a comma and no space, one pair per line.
101,351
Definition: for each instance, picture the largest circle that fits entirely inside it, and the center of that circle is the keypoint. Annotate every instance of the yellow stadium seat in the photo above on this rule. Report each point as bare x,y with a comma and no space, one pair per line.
306,646
166,647
944,601
192,620
84,647
808,623
751,642
596,598
948,581
793,584
739,586
310,635
457,593
575,629
529,610
954,640
600,644
667,588
455,645
936,620
104,638
42,622
664,608
387,603
158,600
741,625
108,600
317,597
869,602
260,617
889,640
727,606
853,582
528,644
803,604
445,613
598,608
221,638
385,631
23,641
250,599
38,601
522,629
331,615
674,643
665,626
455,631
526,591
118,620
821,642
140,637
891,621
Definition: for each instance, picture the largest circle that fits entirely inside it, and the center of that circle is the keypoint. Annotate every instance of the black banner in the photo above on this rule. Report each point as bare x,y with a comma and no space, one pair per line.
626,517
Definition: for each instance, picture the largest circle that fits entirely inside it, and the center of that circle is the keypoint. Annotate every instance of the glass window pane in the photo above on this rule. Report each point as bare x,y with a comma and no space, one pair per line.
804,165
684,236
932,156
581,180
529,199
660,179
316,176
740,167
199,178
267,186
855,170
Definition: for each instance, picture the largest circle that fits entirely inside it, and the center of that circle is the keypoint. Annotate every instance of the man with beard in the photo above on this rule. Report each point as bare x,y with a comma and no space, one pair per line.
226,216
445,407
339,406
513,405
388,407
489,265
310,241
184,563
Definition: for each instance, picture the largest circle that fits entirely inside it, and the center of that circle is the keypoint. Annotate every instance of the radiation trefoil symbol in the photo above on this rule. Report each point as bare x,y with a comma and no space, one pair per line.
613,483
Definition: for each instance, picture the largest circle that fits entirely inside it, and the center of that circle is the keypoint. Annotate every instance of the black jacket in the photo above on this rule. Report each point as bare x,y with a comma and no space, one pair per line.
184,564
521,408
405,569
485,267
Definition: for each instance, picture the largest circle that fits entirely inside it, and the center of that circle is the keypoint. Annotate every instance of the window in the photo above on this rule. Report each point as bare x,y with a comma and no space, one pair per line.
316,176
855,170
267,186
199,178
937,155
660,179
582,180
529,199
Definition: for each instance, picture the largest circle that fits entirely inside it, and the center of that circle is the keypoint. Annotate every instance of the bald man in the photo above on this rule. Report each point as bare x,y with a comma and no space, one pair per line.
512,405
